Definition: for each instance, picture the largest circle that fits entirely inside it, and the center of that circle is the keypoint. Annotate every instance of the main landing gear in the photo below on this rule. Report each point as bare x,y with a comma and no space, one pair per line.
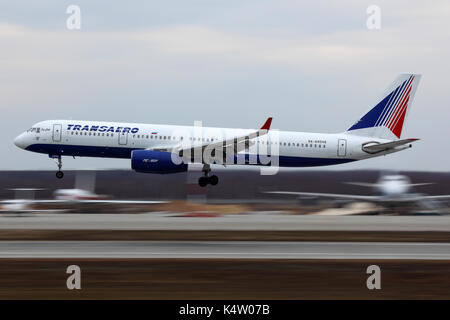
206,179
59,173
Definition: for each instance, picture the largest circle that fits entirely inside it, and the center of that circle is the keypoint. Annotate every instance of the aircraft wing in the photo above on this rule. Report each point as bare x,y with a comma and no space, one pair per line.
31,201
363,184
237,143
373,185
420,184
87,201
375,148
329,195
47,201
121,201
377,199
439,197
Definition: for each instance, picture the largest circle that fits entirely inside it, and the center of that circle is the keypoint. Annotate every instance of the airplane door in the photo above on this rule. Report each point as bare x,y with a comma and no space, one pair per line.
342,148
123,138
57,132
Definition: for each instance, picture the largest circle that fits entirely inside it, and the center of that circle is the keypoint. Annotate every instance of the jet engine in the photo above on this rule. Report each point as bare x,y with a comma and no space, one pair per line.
149,161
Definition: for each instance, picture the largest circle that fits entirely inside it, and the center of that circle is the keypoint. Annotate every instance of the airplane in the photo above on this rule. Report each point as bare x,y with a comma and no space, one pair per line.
391,190
82,194
19,206
76,195
87,197
84,188
23,203
164,149
66,196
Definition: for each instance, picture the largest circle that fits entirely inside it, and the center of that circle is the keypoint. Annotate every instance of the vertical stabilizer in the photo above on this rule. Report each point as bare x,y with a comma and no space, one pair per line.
386,119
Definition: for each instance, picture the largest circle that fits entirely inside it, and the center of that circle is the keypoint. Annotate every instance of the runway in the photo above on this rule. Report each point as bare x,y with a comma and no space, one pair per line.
224,250
251,221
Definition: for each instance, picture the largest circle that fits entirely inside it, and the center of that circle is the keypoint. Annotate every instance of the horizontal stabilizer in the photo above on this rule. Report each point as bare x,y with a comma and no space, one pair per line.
379,147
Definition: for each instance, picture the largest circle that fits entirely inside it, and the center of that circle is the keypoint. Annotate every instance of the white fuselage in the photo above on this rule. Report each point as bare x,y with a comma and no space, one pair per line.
118,140
76,195
393,186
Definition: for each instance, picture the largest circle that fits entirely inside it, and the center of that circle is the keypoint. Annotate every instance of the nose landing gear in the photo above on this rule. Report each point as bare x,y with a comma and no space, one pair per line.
59,173
206,179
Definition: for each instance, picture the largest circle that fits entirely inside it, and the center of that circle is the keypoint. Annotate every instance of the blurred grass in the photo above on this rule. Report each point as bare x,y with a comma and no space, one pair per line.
223,279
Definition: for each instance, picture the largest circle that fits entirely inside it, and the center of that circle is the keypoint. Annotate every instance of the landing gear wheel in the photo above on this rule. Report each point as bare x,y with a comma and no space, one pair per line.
58,160
202,181
213,180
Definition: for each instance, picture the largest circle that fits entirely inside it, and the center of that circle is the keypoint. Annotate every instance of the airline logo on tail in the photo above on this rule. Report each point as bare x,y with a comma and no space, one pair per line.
391,111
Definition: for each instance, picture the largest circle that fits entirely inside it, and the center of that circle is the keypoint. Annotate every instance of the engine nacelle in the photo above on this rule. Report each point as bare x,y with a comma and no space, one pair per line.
149,161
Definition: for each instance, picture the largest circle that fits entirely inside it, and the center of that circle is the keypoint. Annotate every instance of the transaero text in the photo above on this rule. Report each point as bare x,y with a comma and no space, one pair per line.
78,127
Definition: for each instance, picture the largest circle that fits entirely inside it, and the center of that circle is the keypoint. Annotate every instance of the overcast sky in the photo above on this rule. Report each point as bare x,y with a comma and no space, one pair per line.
312,65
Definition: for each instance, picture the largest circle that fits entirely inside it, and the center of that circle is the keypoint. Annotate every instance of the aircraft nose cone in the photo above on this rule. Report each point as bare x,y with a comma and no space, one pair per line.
20,141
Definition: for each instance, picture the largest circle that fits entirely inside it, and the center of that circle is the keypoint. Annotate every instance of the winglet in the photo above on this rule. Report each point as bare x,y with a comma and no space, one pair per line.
266,125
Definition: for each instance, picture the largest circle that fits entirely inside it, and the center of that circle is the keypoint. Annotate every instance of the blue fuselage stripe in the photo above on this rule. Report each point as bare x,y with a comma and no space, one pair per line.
125,153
